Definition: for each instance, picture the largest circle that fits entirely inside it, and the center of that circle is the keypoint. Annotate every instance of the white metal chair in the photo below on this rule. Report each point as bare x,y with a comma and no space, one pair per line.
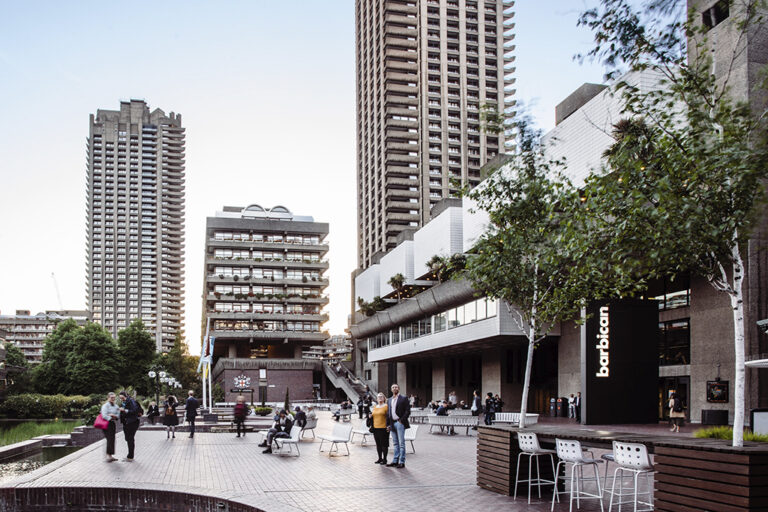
341,435
529,446
361,430
632,458
310,426
292,441
410,435
570,452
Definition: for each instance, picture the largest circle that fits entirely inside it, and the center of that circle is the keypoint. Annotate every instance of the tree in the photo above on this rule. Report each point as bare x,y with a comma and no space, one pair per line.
437,265
180,364
523,257
136,349
397,282
92,365
51,374
18,370
684,180
287,404
14,356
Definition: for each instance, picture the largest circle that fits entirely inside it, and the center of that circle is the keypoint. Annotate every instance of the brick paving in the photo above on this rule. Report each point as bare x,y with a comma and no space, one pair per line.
439,476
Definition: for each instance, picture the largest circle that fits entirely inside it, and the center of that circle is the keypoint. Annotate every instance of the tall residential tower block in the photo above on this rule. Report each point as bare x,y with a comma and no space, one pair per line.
426,72
135,217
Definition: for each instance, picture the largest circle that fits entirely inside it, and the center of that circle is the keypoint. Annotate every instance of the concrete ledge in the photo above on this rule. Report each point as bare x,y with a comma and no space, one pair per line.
16,450
30,499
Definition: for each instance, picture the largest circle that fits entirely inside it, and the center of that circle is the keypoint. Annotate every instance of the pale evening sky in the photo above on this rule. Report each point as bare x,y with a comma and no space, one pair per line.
267,95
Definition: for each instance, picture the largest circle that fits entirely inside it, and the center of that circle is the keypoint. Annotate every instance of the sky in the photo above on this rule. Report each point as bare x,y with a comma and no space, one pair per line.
267,95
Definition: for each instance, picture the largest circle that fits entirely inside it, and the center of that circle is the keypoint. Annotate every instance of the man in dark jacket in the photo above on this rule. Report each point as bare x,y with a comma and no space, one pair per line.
129,415
398,410
301,417
281,428
190,411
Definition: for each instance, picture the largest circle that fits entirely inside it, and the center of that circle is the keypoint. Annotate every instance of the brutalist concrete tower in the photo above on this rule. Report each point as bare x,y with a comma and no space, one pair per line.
135,216
425,71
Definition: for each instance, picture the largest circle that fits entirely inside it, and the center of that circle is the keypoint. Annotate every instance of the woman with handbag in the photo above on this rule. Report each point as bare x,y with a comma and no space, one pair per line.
377,424
170,418
110,412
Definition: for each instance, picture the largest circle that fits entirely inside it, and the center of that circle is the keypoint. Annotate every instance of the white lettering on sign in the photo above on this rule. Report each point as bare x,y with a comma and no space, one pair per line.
603,343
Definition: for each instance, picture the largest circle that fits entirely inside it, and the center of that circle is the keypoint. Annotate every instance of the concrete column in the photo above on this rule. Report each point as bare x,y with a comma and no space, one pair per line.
402,379
491,372
232,351
297,352
438,379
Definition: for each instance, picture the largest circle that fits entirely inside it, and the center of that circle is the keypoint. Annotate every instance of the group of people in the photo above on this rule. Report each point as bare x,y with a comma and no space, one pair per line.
128,412
282,425
574,407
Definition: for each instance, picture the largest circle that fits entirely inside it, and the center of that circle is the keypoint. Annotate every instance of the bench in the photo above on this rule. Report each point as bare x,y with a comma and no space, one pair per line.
460,421
344,414
418,416
410,436
362,430
310,426
341,434
459,412
513,418
281,442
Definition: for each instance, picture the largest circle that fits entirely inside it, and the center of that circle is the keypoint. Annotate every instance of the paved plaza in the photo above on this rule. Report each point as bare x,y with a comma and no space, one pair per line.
439,476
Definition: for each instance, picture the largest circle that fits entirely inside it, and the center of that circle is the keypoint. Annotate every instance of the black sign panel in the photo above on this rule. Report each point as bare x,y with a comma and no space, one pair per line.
620,363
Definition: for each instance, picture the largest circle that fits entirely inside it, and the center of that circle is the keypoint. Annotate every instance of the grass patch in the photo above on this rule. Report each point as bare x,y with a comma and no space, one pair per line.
727,433
27,431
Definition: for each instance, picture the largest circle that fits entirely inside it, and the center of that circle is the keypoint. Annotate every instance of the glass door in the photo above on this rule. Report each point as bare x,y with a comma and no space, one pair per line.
669,385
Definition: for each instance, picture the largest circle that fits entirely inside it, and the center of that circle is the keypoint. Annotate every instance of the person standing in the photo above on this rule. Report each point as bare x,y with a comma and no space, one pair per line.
571,407
676,412
577,407
453,399
239,413
170,416
397,421
490,408
477,403
498,402
153,412
190,411
110,412
379,425
360,406
130,418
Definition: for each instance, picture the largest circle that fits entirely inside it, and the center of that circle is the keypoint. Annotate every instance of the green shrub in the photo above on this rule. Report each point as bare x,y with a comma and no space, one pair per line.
36,406
89,415
262,411
724,432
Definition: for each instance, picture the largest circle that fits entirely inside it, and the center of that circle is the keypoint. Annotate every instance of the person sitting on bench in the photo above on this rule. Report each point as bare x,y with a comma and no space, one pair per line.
442,410
281,428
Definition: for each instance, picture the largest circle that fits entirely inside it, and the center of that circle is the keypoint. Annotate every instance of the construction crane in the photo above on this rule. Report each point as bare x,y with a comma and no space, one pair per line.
56,286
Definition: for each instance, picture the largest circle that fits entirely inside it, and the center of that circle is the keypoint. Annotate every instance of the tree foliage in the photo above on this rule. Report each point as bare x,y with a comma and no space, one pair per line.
137,352
683,182
181,365
397,282
14,356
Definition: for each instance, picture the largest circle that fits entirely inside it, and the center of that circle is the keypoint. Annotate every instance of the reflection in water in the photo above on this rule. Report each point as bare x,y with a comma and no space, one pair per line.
13,469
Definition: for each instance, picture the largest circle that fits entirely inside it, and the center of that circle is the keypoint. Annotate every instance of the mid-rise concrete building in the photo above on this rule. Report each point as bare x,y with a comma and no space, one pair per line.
425,69
135,220
264,297
28,331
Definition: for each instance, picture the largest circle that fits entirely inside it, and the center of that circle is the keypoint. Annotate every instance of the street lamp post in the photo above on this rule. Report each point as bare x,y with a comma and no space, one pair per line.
158,376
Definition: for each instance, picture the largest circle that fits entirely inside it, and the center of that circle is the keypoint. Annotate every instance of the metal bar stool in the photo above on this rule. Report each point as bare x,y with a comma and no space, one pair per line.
570,452
529,446
632,458
609,458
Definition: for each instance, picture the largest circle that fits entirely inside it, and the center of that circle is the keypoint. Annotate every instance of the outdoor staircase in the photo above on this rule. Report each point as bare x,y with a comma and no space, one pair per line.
353,387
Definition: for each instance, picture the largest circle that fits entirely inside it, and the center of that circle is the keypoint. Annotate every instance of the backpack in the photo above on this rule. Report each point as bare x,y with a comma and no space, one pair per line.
170,410
677,405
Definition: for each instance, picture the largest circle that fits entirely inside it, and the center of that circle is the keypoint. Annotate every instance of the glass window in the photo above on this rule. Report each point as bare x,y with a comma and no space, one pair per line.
470,312
441,321
482,311
491,305
674,342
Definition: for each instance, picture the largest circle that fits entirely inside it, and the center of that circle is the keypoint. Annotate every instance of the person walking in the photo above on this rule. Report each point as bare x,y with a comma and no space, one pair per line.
130,418
379,428
190,411
240,412
153,412
397,421
676,412
170,416
360,406
110,412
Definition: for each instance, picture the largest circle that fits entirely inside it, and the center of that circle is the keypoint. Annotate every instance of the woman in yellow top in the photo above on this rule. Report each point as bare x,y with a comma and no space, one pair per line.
380,434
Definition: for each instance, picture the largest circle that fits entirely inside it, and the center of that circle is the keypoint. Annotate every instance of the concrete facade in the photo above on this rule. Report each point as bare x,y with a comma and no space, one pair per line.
424,68
135,216
28,332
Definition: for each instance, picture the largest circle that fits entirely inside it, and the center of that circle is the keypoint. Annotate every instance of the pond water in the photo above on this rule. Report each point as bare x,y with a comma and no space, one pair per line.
15,468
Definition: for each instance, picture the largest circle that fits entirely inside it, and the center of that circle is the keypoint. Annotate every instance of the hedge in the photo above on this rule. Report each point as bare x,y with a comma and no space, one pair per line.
34,406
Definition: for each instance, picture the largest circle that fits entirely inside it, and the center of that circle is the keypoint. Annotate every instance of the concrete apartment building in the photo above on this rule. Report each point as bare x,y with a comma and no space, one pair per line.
135,220
28,331
424,70
263,298
446,338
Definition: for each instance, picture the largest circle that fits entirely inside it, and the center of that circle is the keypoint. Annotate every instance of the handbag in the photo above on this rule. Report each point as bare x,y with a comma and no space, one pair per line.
100,422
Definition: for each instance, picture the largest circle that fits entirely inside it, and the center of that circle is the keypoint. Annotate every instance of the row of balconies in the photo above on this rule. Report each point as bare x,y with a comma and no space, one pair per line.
238,315
283,298
269,263
281,281
268,335
322,248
